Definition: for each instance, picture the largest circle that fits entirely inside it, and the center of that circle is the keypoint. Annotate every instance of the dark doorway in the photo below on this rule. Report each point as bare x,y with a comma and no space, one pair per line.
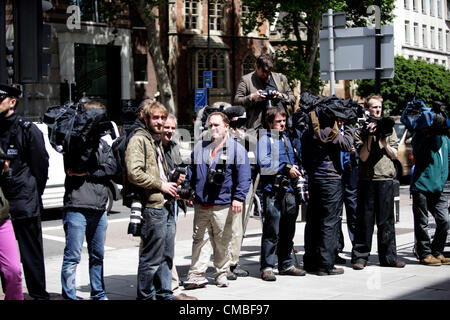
98,75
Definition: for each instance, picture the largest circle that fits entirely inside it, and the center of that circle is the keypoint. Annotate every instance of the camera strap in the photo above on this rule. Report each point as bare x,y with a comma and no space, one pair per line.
213,153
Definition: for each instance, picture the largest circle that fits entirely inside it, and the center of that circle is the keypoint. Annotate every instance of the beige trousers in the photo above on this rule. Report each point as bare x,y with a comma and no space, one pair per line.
211,225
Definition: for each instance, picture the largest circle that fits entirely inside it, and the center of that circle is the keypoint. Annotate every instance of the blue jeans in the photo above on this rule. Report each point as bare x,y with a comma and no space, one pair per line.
152,270
77,225
437,205
280,215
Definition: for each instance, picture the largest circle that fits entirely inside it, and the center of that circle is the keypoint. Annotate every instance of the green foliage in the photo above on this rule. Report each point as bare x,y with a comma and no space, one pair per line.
433,83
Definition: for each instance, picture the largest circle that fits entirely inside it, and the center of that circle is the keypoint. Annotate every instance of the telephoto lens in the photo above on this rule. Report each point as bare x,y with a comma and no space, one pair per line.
134,227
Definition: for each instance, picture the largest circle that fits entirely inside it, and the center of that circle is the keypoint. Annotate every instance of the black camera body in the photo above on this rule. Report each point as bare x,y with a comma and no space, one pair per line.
383,126
173,177
216,176
269,94
281,182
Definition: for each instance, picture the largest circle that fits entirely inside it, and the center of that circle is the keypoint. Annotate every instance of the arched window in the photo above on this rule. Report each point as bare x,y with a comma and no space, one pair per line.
248,64
218,68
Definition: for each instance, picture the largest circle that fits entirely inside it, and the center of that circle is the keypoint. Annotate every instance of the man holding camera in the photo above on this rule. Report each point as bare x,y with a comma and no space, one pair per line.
220,176
147,169
279,175
431,156
259,89
377,145
23,189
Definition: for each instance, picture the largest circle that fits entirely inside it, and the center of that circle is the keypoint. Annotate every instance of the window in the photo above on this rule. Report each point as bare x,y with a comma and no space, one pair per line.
447,40
217,67
140,67
91,10
191,8
444,63
424,36
432,34
244,11
436,61
248,64
407,31
406,4
439,8
411,57
431,7
440,39
215,15
415,6
424,8
416,33
428,60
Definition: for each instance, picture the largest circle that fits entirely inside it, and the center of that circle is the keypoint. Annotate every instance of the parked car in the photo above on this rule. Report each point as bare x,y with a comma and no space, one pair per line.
53,195
405,157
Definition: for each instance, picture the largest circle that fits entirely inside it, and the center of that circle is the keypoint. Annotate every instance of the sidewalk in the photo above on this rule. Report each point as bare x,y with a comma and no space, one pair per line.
373,283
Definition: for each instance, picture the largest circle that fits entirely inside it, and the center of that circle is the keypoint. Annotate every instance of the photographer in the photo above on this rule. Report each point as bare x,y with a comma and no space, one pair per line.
220,176
84,215
147,169
377,146
260,89
322,144
23,190
431,156
279,171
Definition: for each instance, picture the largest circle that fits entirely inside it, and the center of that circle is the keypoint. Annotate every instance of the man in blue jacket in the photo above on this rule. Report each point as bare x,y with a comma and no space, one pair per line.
279,171
220,176
431,156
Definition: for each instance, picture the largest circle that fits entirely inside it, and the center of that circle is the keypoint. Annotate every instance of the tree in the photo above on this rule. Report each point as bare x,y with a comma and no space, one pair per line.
297,57
433,84
148,11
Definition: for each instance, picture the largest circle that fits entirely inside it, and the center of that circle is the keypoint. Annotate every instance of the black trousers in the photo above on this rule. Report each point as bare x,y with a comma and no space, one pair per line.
322,224
29,236
375,205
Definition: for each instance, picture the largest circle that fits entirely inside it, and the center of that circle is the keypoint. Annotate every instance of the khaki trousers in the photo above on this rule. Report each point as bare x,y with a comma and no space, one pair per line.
214,225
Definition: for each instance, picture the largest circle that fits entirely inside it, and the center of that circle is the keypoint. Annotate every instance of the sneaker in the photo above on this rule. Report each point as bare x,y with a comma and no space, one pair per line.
292,271
238,271
397,264
444,260
222,281
331,272
194,282
430,261
231,275
268,275
359,265
340,260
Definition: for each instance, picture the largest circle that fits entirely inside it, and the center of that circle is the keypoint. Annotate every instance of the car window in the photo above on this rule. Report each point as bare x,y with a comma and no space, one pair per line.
399,130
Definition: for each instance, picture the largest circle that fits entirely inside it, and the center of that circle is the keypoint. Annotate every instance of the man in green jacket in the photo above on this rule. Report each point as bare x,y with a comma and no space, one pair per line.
431,154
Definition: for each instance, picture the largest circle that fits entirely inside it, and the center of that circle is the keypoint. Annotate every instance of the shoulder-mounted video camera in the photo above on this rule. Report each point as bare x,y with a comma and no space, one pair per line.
383,126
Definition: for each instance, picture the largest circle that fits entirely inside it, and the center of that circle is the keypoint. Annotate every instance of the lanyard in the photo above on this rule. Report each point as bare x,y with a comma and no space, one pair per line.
213,154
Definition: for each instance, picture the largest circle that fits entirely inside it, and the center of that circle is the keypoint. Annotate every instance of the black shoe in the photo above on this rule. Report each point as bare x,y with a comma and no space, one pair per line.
340,260
397,264
359,265
238,271
231,275
331,272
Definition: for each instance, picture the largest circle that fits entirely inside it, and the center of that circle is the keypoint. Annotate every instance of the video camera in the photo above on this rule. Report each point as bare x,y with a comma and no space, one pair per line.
418,116
383,126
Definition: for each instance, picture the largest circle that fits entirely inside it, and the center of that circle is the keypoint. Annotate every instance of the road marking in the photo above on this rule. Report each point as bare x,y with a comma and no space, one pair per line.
63,239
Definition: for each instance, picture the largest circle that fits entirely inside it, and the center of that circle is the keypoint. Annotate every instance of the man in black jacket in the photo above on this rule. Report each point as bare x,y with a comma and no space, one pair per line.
24,187
84,215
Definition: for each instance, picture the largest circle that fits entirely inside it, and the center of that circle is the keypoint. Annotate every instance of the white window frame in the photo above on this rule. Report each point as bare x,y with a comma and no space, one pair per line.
190,15
214,16
407,32
416,33
424,36
432,40
440,39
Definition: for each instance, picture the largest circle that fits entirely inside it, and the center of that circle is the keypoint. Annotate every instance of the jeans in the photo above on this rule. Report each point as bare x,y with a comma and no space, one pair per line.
77,225
163,278
280,215
322,224
437,205
152,256
375,205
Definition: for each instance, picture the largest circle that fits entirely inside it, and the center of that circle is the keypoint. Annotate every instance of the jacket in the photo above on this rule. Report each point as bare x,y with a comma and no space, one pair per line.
379,166
274,157
23,190
323,160
251,83
431,157
143,172
237,173
90,193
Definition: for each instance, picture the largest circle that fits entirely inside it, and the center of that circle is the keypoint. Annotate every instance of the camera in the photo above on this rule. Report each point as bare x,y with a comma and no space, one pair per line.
300,188
383,126
174,176
216,176
185,191
134,227
269,94
281,182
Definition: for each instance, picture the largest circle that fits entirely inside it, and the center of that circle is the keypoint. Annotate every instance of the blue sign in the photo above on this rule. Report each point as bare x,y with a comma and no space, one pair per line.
207,79
200,98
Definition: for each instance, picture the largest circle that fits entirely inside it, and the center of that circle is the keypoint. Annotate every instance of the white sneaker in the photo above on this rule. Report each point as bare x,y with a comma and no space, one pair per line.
222,281
194,282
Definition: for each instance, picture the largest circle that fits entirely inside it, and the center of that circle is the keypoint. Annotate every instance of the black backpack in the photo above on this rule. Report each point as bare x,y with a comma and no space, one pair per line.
119,147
